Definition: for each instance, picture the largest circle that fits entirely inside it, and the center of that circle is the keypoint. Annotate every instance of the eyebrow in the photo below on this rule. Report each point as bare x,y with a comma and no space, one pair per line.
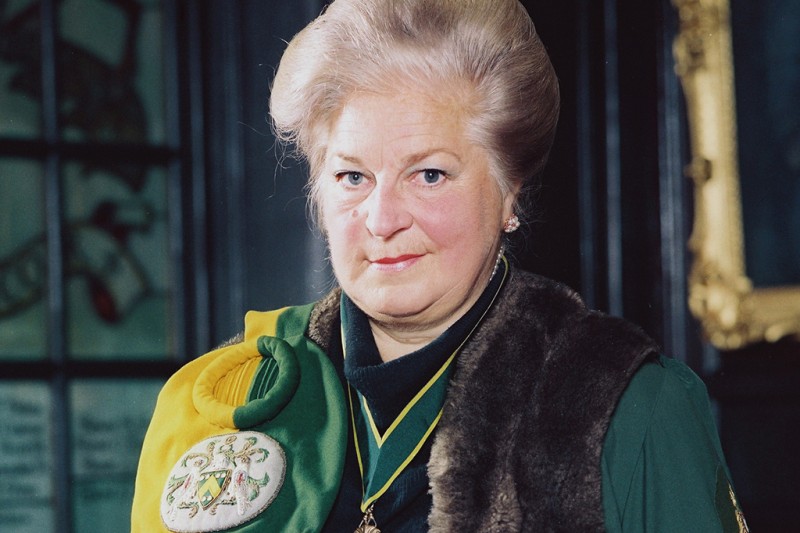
408,160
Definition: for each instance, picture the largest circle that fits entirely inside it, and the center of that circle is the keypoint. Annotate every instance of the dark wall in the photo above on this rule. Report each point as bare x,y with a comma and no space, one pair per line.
614,207
615,216
759,413
611,219
263,246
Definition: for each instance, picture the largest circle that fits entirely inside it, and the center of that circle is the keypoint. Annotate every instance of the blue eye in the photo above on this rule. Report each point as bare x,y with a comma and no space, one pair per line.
432,176
352,179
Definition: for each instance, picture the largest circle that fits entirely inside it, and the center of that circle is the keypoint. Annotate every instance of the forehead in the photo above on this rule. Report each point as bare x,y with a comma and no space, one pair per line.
402,118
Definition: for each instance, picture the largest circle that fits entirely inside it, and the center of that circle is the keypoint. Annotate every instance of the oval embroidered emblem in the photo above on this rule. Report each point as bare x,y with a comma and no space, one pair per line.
222,482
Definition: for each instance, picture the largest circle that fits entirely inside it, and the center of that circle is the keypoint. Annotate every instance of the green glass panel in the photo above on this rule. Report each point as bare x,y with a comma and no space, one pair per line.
118,263
108,422
26,458
20,69
23,260
112,63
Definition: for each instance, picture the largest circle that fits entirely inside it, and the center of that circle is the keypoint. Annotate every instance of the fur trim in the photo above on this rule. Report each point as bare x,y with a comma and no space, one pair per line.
324,319
519,443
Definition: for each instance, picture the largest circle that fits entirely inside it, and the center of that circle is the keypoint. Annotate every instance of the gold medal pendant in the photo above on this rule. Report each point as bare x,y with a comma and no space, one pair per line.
368,524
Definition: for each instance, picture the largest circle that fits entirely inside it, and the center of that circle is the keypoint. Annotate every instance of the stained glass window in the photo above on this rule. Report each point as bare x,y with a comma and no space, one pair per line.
117,257
110,58
23,259
26,458
20,69
108,421
94,174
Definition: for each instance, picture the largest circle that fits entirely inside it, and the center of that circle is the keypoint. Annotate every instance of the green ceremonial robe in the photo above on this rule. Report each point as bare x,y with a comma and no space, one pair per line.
662,465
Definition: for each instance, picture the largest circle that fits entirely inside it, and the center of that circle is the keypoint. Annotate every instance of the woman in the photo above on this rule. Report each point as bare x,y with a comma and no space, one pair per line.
437,389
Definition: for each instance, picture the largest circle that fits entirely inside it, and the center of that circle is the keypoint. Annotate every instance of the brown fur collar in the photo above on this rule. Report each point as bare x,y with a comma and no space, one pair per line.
519,443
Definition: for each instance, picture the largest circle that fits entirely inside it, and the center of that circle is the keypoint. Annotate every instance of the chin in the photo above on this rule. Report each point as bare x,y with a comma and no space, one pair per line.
394,305
394,313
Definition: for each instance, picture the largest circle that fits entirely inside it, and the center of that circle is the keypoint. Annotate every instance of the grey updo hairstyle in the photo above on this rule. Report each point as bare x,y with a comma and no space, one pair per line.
512,98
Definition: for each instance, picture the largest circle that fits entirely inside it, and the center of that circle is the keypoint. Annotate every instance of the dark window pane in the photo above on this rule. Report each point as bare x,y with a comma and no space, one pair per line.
112,71
23,260
20,69
108,423
118,264
26,458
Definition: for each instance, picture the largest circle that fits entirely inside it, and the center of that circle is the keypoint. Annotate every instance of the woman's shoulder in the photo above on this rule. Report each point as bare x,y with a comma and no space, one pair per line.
662,391
663,417
663,386
662,459
283,323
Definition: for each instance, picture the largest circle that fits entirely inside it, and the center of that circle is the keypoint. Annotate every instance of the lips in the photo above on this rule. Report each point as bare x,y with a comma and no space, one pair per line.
397,263
396,260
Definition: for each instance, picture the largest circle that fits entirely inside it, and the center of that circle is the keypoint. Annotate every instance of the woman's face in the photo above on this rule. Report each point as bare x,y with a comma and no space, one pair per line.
412,216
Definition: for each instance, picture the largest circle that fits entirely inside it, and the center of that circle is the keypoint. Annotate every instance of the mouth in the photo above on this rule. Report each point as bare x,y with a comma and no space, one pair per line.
396,263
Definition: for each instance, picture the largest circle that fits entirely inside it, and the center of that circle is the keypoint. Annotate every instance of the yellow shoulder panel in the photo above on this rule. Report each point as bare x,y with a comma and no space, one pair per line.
214,385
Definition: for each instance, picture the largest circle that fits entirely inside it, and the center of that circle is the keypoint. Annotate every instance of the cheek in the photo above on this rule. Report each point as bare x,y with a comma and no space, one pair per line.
449,221
341,231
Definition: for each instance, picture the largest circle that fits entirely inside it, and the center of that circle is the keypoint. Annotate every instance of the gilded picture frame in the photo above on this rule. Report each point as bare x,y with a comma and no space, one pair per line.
733,312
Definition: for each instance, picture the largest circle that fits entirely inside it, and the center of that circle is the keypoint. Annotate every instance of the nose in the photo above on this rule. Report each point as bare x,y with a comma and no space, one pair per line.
387,211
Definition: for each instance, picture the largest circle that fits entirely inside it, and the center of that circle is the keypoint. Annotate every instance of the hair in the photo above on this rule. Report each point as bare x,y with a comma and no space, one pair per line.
489,47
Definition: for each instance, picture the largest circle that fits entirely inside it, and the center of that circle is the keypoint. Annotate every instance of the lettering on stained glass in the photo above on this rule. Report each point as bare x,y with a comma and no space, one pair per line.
26,488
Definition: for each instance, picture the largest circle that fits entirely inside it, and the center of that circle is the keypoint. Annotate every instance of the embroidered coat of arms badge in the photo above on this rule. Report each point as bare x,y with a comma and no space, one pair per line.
222,482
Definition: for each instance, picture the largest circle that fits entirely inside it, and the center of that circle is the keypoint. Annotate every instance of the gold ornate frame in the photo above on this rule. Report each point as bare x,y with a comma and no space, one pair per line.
732,312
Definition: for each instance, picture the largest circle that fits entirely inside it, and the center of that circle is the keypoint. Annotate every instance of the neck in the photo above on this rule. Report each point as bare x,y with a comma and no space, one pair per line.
393,343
